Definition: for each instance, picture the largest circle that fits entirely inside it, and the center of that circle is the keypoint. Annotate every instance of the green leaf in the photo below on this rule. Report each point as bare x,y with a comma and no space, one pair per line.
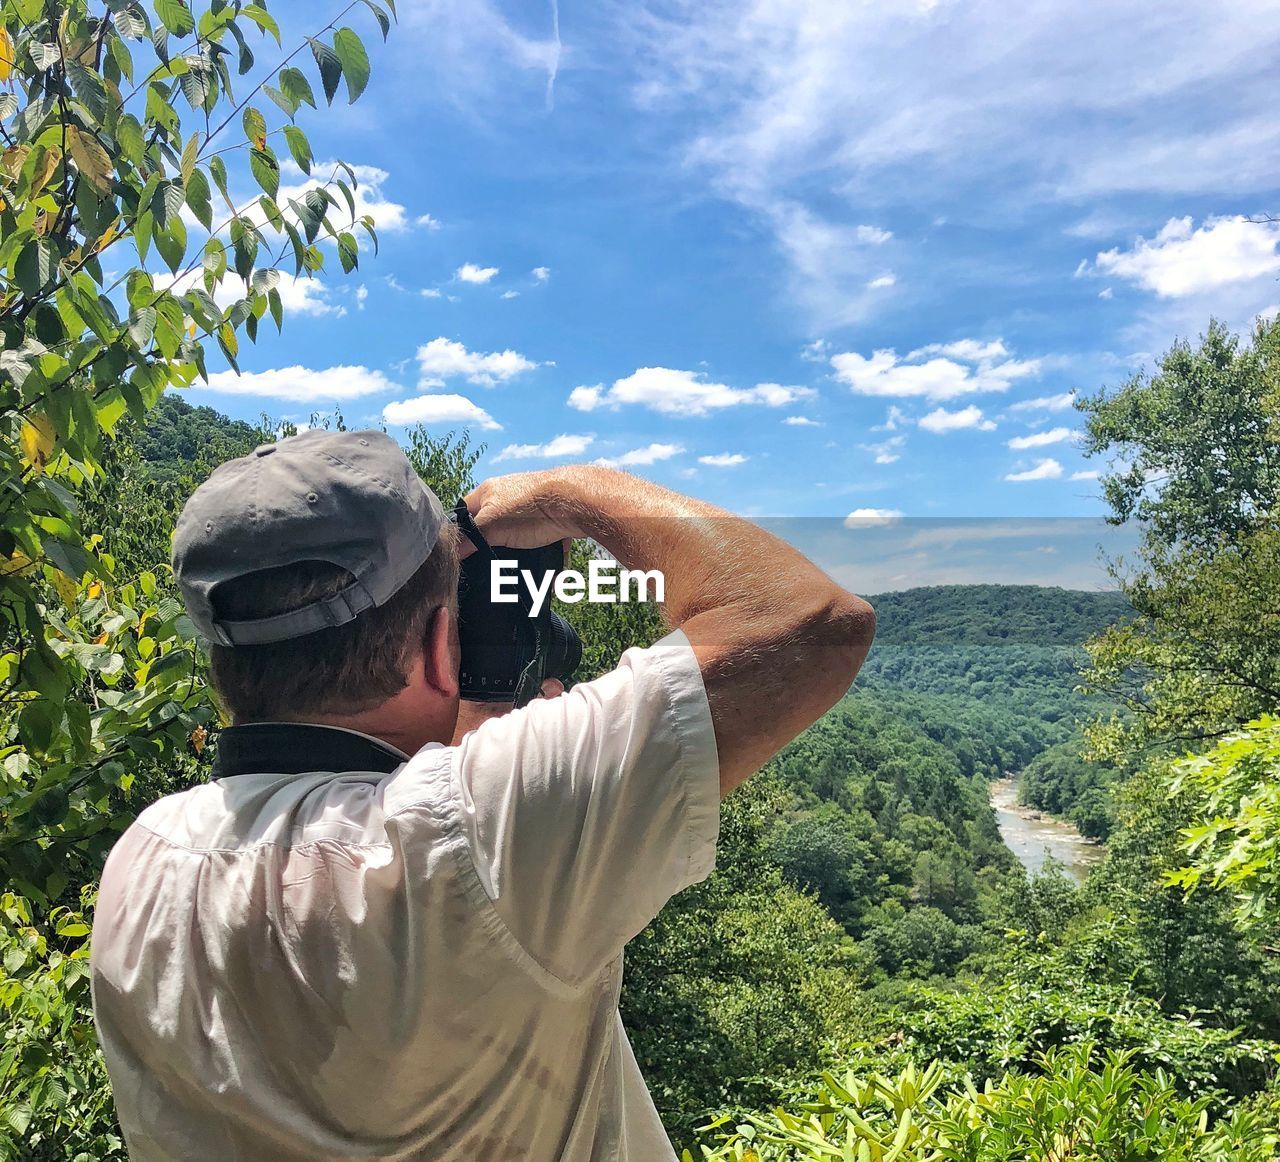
176,16
348,252
299,147
218,171
166,203
172,243
88,87
35,266
295,86
287,104
244,60
129,138
142,326
198,198
196,85
262,18
384,21
265,170
255,127
330,67
277,307
355,61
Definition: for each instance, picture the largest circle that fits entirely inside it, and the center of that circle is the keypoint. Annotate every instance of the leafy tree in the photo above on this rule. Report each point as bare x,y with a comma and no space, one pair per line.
1236,791
1194,450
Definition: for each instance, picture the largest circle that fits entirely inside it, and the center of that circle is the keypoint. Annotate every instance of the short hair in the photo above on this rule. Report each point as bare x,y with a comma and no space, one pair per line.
345,669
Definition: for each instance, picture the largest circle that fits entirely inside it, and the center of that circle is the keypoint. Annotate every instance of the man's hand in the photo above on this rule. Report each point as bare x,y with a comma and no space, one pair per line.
472,714
521,511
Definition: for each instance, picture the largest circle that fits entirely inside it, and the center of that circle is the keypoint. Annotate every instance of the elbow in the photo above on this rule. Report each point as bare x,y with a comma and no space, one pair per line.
842,635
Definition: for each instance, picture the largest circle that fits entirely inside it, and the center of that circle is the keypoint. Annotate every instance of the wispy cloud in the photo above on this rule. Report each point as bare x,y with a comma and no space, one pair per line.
555,449
1048,469
304,384
1041,439
641,457
681,393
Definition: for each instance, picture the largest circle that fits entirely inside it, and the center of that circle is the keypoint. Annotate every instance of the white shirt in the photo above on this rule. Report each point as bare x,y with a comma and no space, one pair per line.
421,965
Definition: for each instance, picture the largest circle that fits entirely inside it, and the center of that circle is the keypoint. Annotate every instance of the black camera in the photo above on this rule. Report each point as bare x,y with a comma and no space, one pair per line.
507,650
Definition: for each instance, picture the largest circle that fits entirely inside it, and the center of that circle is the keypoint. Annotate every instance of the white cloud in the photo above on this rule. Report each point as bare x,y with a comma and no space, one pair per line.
1181,261
438,409
723,460
1105,293
362,296
304,384
883,281
443,359
967,350
801,422
940,420
815,351
872,235
887,451
1048,403
586,398
429,292
1085,474
470,272
681,393
940,371
1041,439
863,518
511,294
1043,470
541,273
427,222
640,457
561,446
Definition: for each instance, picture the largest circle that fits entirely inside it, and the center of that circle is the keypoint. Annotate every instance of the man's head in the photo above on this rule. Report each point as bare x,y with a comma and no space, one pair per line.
324,575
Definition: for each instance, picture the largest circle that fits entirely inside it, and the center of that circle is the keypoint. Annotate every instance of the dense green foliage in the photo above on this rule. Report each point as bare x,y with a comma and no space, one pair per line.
1077,1105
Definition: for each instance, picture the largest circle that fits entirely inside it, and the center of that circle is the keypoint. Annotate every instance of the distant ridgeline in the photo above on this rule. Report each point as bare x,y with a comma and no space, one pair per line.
178,440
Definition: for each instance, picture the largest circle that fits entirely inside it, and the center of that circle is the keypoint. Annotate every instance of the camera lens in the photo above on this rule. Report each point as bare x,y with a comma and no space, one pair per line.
563,648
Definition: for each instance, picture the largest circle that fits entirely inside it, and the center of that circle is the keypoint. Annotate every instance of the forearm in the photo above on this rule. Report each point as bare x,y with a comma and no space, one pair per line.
710,559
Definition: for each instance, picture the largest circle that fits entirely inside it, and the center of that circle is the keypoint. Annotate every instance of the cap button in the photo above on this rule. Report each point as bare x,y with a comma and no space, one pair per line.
264,450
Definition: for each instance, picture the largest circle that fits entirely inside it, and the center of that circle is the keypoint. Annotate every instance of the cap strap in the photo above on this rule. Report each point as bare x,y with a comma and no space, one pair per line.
343,607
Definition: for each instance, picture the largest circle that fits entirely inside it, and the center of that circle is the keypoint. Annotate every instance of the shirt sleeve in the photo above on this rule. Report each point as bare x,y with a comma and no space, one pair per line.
586,813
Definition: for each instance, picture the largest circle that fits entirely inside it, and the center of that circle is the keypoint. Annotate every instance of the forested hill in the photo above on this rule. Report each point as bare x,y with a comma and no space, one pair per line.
993,615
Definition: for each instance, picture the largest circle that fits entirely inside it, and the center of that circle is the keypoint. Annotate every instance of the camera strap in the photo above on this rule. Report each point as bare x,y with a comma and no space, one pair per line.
298,748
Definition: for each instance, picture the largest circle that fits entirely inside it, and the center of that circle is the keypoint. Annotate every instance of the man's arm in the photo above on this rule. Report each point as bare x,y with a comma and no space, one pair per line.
777,641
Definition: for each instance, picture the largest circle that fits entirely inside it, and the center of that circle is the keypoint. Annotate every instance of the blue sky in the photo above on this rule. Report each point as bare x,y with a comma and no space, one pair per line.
803,259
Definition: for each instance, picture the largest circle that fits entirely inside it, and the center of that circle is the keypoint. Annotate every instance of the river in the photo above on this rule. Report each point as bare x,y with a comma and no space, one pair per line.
1033,836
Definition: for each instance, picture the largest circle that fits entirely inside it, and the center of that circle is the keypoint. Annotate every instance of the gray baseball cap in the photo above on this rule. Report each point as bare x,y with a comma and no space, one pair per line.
349,498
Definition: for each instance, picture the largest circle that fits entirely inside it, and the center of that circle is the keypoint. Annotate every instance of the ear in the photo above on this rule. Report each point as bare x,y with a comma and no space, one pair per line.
440,656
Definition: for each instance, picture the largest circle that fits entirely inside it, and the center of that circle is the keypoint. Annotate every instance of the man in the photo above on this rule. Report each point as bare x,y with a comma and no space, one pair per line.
405,949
